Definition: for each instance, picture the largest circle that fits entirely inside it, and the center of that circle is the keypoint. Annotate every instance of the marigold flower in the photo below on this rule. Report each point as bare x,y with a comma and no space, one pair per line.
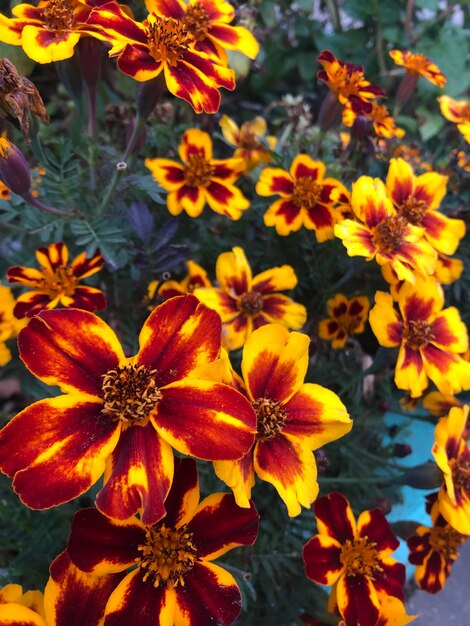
348,82
457,111
200,179
293,419
447,269
379,117
9,325
21,609
419,65
417,198
122,413
307,198
173,580
346,316
162,44
159,292
248,139
208,21
431,339
355,558
55,283
383,234
434,549
245,303
451,452
440,404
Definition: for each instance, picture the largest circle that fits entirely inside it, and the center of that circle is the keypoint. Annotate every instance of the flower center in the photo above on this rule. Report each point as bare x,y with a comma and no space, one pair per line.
389,233
446,541
61,282
413,210
129,394
198,171
306,192
418,333
196,20
360,558
251,303
461,474
270,417
167,555
58,15
167,39
249,141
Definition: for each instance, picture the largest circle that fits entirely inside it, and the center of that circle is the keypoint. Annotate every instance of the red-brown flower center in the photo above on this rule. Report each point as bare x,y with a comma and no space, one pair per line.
58,15
196,20
168,39
250,303
168,554
129,394
418,333
461,474
249,141
446,541
389,234
413,210
198,171
306,192
60,282
360,557
346,82
270,417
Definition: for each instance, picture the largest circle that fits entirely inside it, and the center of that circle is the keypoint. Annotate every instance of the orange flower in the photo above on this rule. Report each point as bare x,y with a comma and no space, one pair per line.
379,117
248,140
345,317
457,111
419,65
159,292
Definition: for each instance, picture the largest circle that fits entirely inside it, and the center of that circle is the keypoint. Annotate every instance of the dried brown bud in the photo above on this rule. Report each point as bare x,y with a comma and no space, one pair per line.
18,98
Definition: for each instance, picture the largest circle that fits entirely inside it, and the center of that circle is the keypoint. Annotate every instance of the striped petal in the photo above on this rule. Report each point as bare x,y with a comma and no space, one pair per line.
64,444
185,81
450,333
285,216
400,181
385,321
369,201
189,199
228,170
233,272
183,498
115,25
275,181
234,38
239,476
195,141
76,348
86,298
236,332
322,560
225,199
335,517
410,372
391,578
357,239
432,188
321,219
217,299
136,61
83,266
431,575
374,526
304,166
169,174
13,614
442,232
449,372
47,46
357,601
33,302
29,276
280,309
275,279
53,256
166,8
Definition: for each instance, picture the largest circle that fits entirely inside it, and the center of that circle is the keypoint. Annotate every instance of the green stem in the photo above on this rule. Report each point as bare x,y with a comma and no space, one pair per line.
352,480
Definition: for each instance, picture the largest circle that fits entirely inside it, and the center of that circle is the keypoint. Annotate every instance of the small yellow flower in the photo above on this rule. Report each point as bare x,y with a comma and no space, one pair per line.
248,139
346,316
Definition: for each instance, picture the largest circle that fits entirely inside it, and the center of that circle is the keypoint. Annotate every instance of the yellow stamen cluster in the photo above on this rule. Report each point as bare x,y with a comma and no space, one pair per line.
167,555
389,233
198,171
168,39
251,302
58,15
360,557
418,333
196,20
446,541
129,394
61,282
270,417
306,192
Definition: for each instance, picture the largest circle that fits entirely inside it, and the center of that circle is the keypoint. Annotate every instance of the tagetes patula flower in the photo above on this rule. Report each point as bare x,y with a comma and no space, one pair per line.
122,415
21,609
245,303
355,558
248,139
200,179
346,317
379,117
162,44
431,338
173,579
56,282
293,419
417,198
392,612
348,82
158,292
451,452
457,111
307,197
208,21
417,65
10,326
382,234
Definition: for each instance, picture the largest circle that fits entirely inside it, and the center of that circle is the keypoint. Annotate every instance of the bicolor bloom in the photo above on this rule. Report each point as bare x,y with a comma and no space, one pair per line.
382,234
10,326
346,317
173,579
434,549
457,111
417,198
451,452
419,65
348,82
21,609
56,282
379,118
250,141
448,269
162,44
245,303
293,419
208,21
355,558
120,415
158,292
307,198
200,179
431,338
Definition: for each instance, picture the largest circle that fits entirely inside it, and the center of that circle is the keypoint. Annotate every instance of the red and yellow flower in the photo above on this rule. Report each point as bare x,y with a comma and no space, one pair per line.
417,64
379,117
200,179
158,292
307,198
248,140
120,415
354,558
56,282
457,111
431,338
346,317
439,404
451,452
162,44
293,419
434,549
21,609
381,233
417,198
173,580
10,326
208,21
245,303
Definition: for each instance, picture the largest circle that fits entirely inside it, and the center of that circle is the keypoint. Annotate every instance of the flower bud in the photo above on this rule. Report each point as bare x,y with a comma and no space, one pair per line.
330,112
14,168
90,60
425,476
148,95
401,450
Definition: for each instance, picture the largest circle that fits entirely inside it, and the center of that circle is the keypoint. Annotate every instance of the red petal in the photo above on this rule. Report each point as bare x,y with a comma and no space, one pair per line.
322,561
334,512
183,497
374,525
391,579
358,605
88,299
30,303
